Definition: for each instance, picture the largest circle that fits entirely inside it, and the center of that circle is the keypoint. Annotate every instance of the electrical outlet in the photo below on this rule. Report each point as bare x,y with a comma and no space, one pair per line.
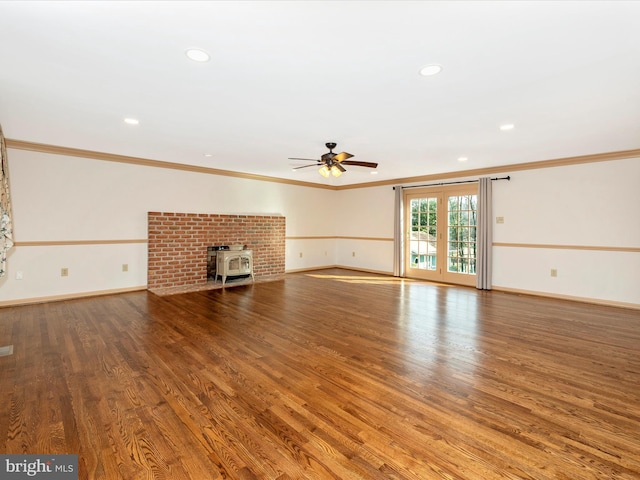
353,254
300,254
64,272
6,351
125,267
554,272
19,275
499,219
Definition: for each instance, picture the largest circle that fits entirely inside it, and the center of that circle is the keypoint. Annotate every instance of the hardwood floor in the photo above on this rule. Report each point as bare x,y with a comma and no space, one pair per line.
329,374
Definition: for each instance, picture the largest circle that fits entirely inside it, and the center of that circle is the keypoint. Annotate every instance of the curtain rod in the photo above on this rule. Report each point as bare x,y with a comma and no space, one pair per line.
508,177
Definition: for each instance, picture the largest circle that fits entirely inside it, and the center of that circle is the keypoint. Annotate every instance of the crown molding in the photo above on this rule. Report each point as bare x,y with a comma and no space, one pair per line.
110,157
502,169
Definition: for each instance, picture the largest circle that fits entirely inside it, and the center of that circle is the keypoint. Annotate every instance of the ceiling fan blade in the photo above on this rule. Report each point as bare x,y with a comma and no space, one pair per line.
360,164
339,167
305,159
339,157
306,166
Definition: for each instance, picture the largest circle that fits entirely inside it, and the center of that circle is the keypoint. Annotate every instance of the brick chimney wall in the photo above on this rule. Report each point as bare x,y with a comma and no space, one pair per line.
178,244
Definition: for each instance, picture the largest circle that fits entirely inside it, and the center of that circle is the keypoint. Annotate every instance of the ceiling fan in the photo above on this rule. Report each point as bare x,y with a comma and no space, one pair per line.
333,163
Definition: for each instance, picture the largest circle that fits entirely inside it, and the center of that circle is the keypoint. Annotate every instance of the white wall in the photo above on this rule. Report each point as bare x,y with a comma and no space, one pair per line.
589,205
365,217
59,198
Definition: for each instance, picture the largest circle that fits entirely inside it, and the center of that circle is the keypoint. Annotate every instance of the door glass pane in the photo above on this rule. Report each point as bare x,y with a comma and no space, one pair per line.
423,239
461,251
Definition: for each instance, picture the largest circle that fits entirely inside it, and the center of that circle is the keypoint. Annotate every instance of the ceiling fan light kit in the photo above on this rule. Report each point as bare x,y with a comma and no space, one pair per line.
332,163
324,171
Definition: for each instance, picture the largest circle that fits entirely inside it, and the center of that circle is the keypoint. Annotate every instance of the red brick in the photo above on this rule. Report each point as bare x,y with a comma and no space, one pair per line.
177,244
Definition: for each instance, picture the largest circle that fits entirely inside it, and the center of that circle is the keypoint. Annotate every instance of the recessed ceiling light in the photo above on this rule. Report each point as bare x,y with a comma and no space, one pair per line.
507,126
429,70
462,159
131,121
197,55
208,155
375,172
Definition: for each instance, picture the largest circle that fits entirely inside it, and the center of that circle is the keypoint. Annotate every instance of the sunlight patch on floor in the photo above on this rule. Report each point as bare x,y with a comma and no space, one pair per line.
372,280
6,351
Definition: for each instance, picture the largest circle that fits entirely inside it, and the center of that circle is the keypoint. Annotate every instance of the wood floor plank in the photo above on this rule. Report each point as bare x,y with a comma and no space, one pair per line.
331,374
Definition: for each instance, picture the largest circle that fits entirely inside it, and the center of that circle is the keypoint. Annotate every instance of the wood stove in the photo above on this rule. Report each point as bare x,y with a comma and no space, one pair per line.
231,263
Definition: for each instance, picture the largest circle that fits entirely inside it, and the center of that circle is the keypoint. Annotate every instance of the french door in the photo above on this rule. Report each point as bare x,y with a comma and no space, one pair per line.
440,237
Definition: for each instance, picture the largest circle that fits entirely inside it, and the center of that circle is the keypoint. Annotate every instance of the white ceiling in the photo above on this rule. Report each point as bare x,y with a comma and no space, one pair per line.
286,77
